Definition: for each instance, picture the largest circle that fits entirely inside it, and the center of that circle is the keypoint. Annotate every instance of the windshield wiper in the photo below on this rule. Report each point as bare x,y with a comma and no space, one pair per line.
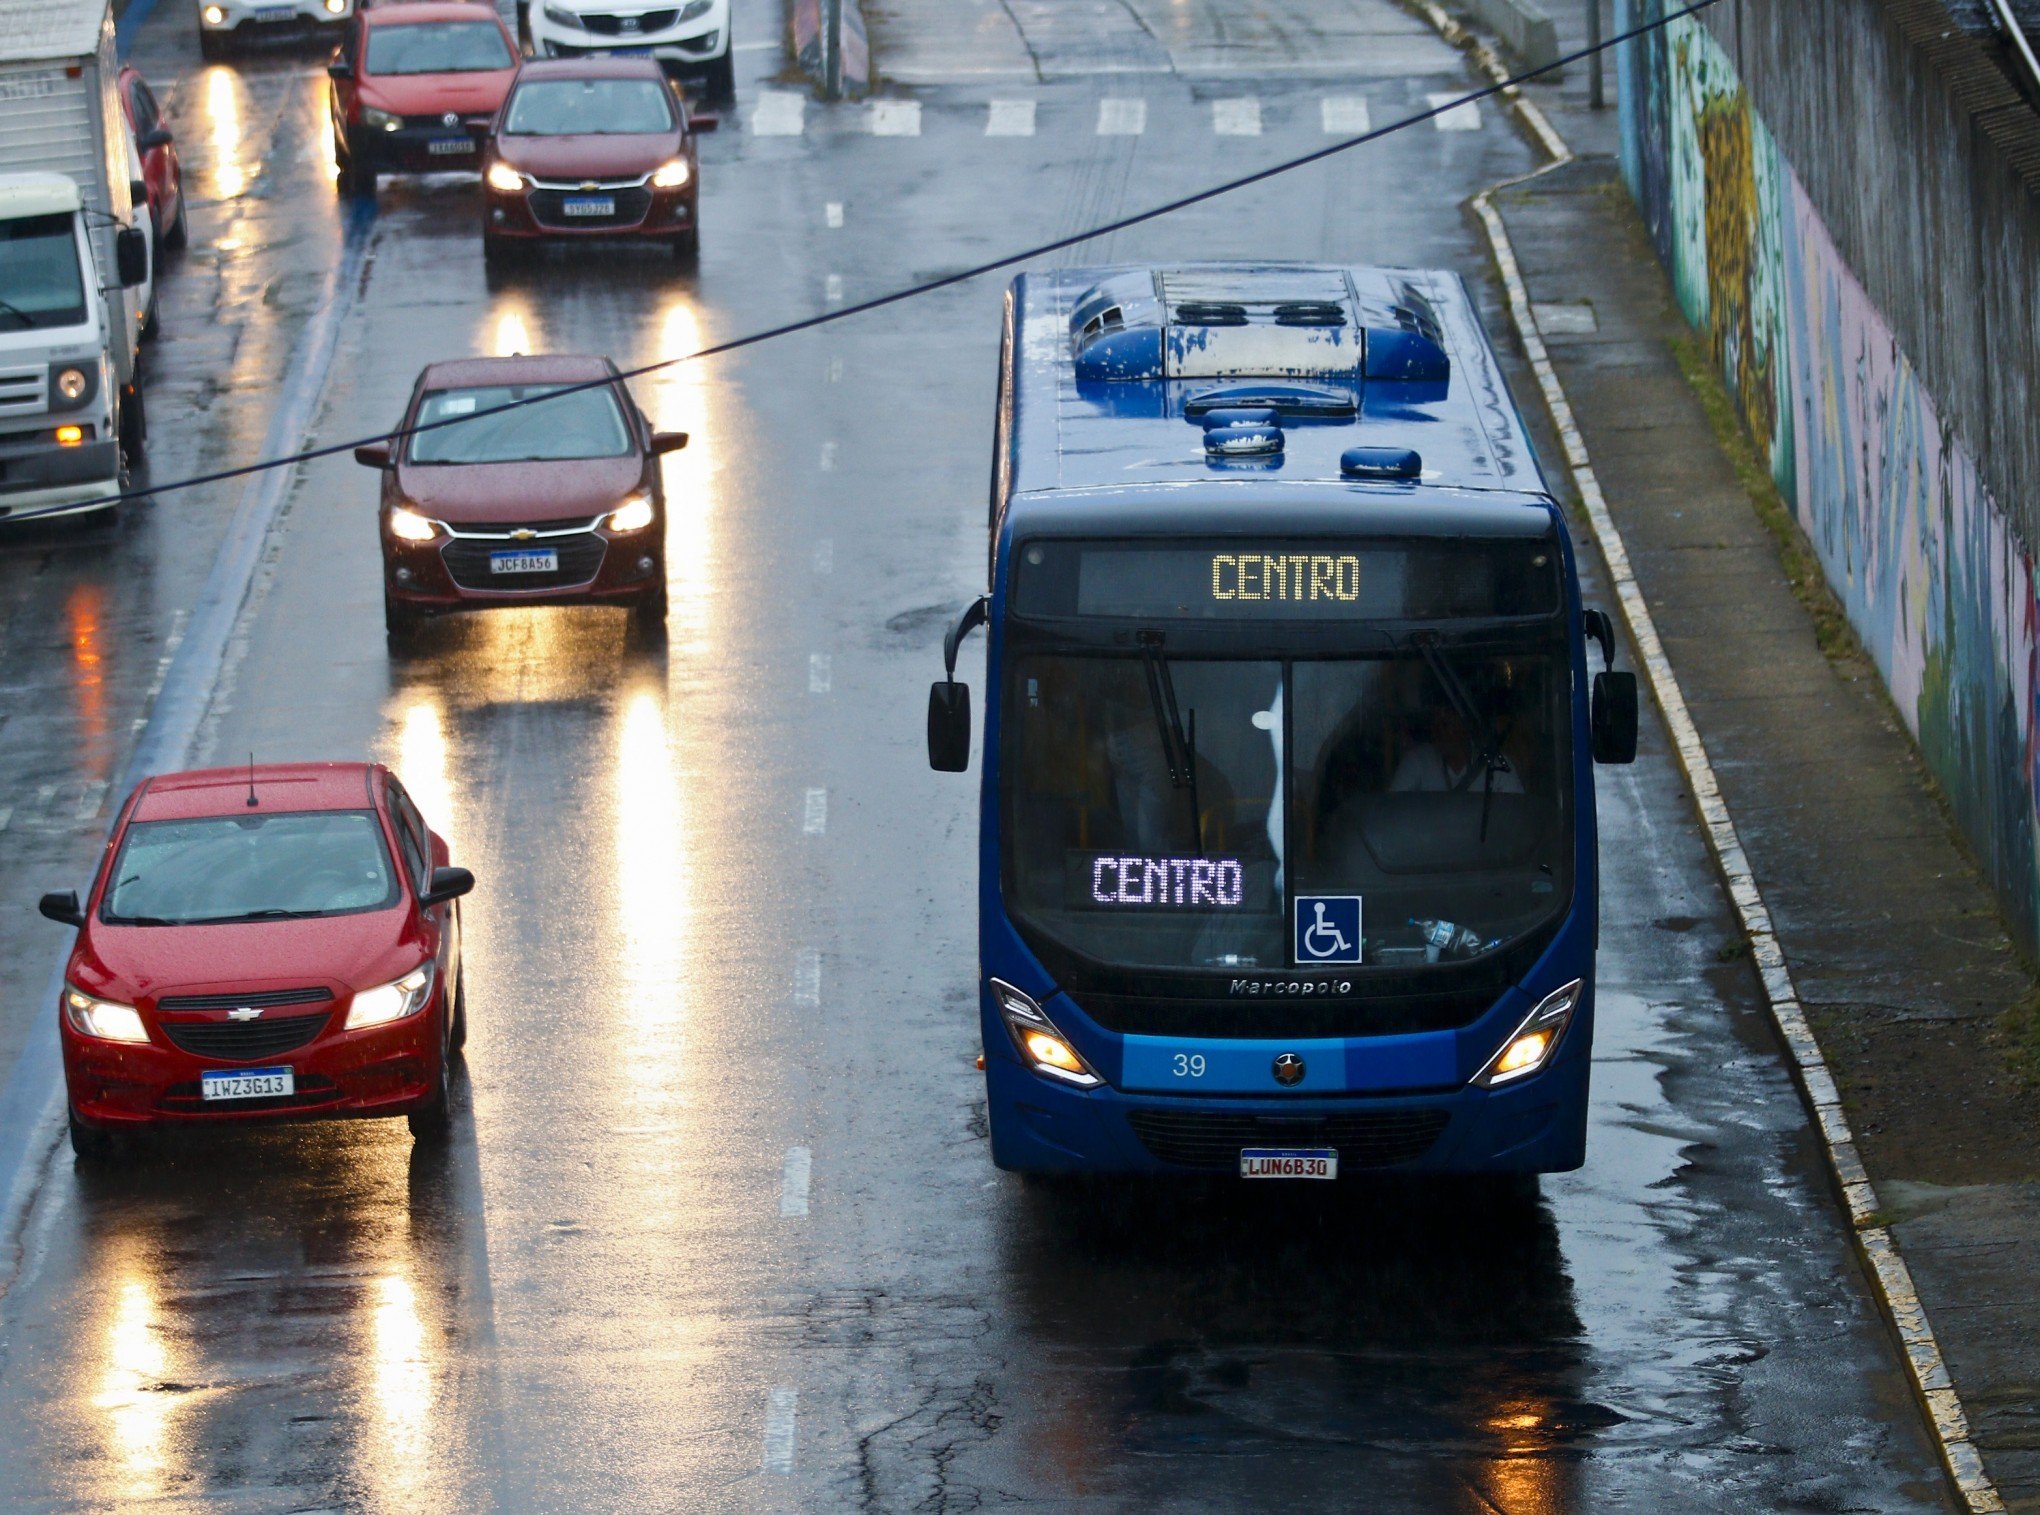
270,914
1179,745
1477,728
18,313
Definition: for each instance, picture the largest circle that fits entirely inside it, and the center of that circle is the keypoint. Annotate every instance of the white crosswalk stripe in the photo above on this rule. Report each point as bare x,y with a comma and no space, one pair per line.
1345,116
1236,118
779,113
895,118
1460,118
1010,118
1122,118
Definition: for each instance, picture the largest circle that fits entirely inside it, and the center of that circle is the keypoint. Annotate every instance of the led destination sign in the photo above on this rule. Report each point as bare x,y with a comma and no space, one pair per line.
1181,883
1245,580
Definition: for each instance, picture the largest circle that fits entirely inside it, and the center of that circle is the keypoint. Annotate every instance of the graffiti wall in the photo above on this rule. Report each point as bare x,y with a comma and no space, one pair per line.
1934,580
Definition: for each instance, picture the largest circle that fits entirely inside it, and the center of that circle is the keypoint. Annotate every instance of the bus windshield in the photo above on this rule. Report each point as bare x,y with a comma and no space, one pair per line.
1180,812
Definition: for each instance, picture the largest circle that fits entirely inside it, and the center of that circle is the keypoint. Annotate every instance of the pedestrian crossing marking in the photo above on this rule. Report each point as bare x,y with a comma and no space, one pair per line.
1345,116
1463,117
779,113
1236,118
895,118
1122,118
1010,118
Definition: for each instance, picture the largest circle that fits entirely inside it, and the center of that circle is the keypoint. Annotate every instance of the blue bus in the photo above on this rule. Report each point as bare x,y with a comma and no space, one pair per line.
1287,858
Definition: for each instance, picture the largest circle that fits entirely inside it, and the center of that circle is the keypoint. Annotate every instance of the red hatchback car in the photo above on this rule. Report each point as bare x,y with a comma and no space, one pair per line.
161,171
549,495
415,87
593,147
263,942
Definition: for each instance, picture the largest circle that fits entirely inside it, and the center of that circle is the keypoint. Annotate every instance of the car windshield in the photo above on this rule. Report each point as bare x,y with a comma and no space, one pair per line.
1169,812
41,280
437,47
585,423
589,107
259,866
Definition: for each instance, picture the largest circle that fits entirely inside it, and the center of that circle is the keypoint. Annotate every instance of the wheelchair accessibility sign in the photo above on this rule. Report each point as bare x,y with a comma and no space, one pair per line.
1327,929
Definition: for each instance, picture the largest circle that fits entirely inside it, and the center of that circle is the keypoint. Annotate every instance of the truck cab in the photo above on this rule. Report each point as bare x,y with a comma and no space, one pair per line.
61,421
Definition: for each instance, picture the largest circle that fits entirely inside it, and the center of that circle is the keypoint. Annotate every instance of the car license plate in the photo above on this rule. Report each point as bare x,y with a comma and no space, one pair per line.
446,147
534,561
630,52
589,205
276,13
248,1083
1289,1162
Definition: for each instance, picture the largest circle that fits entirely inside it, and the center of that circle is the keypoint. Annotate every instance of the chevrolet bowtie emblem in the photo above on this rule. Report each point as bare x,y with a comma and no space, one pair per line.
589,184
522,534
245,1013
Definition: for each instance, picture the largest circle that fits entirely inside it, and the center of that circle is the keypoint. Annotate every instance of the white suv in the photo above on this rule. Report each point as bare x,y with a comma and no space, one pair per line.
687,36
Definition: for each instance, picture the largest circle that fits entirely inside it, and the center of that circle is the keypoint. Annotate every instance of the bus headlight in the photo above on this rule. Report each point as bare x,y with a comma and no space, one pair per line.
1042,1047
408,526
103,1018
391,1002
1530,1045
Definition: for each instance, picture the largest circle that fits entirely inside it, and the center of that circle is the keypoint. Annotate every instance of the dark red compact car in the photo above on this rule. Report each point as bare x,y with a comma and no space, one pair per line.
261,943
592,147
161,171
415,86
521,481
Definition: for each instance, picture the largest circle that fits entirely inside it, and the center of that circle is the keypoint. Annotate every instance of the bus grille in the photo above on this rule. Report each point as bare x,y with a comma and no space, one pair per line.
1214,1139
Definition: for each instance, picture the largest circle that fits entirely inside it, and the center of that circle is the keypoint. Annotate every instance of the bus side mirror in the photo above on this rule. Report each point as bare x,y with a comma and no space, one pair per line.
1613,717
131,256
948,726
62,908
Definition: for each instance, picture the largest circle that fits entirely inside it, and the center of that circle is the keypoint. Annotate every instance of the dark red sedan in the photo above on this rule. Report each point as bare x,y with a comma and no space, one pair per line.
414,87
263,942
161,171
521,481
593,147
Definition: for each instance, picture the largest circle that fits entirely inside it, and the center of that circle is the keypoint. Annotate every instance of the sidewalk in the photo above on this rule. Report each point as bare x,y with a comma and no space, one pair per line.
1900,956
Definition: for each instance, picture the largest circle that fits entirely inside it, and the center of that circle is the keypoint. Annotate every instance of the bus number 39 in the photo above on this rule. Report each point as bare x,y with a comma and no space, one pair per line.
1189,1065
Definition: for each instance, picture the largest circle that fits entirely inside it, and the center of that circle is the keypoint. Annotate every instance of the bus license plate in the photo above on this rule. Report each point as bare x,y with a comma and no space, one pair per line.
589,205
1289,1162
248,1083
546,561
444,147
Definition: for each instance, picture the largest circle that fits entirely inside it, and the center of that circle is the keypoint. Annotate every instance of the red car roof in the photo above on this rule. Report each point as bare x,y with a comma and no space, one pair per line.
594,66
541,368
279,786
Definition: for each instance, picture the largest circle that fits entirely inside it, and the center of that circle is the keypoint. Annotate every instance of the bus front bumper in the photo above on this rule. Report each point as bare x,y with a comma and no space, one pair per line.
1536,1126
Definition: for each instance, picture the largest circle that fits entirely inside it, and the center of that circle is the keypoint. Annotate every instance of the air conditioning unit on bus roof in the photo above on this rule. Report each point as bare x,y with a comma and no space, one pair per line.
1236,322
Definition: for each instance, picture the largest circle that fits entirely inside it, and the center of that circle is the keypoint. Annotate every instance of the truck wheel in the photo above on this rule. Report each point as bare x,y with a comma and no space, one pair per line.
133,425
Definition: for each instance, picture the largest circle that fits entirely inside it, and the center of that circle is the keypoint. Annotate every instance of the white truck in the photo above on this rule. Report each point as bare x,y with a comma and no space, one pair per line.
74,262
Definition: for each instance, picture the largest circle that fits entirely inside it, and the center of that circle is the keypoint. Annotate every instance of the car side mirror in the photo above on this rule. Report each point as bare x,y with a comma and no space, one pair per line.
1613,717
131,253
948,726
339,70
706,121
446,884
62,907
668,441
373,455
155,137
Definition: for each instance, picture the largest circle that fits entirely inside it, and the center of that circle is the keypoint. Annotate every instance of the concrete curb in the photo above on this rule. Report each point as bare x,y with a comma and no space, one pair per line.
1522,24
1878,1248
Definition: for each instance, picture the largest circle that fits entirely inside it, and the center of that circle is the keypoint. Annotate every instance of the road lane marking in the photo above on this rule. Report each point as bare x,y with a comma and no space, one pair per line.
90,801
818,673
1562,319
814,818
807,977
828,457
779,1411
832,289
1236,118
779,113
835,370
1122,118
793,1181
1345,116
755,47
825,555
832,213
1463,117
6,815
894,118
1010,118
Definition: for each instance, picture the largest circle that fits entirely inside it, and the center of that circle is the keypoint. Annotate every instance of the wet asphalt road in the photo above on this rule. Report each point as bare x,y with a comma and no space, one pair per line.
719,1229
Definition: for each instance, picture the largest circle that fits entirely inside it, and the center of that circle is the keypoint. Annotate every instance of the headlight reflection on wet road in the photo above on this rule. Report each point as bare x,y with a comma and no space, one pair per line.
132,1393
224,102
678,401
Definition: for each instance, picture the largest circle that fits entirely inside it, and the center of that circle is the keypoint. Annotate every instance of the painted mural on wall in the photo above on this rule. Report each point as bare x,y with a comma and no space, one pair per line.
1935,583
